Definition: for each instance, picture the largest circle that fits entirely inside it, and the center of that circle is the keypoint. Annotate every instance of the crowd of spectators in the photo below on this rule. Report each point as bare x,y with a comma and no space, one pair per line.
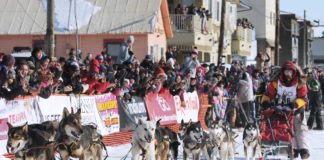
98,74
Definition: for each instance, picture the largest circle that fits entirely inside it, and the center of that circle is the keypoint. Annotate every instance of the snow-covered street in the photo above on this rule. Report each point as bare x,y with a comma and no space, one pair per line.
316,142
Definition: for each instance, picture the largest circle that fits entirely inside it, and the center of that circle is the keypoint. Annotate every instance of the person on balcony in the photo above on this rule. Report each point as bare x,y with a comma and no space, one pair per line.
203,15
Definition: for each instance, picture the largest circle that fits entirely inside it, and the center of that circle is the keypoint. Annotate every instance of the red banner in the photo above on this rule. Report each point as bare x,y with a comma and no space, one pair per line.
161,106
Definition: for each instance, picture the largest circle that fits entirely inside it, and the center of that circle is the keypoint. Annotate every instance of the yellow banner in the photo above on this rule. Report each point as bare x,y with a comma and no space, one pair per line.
107,105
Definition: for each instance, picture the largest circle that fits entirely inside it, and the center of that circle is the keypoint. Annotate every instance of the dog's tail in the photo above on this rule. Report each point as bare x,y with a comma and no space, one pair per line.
158,124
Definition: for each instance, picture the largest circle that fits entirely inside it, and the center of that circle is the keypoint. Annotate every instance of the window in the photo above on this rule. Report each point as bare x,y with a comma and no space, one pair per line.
162,52
206,57
113,49
210,5
154,51
200,56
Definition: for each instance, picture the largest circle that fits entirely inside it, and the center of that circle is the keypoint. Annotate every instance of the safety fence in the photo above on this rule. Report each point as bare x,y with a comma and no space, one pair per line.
115,118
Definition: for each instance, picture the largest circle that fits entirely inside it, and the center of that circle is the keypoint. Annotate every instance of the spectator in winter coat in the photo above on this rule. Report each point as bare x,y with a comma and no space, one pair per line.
36,58
170,54
8,89
124,50
44,88
315,101
245,95
193,85
217,99
262,60
71,83
176,86
23,77
87,60
147,62
192,63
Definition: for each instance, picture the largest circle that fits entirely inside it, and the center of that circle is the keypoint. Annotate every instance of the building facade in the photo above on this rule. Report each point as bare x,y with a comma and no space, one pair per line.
289,37
242,40
262,14
306,34
103,27
318,51
188,28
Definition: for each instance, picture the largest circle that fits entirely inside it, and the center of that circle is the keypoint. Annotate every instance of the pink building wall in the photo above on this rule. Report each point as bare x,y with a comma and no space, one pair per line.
94,43
88,43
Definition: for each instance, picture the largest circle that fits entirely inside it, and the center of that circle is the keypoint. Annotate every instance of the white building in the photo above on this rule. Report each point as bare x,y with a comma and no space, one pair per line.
318,51
263,16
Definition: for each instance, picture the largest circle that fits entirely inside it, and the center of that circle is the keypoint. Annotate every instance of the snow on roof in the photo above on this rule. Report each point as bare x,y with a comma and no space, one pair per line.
21,54
93,16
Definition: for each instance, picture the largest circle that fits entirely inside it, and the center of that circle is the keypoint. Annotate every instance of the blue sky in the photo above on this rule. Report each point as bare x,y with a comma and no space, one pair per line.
314,10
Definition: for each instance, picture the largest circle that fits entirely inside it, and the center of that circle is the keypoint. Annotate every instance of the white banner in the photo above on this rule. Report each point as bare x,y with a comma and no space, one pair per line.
89,111
188,110
52,108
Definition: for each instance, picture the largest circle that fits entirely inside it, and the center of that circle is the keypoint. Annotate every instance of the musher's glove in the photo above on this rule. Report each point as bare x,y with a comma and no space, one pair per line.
265,105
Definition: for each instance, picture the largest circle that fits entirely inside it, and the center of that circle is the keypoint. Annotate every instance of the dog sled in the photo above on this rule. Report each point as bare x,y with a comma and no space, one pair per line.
276,134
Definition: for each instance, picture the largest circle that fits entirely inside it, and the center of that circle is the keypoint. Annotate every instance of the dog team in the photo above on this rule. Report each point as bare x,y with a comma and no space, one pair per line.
68,137
153,142
150,140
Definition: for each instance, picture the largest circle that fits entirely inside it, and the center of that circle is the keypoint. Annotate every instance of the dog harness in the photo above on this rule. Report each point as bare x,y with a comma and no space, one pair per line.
144,151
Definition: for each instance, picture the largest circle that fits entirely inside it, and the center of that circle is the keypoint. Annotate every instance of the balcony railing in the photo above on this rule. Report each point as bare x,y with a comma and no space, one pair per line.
190,23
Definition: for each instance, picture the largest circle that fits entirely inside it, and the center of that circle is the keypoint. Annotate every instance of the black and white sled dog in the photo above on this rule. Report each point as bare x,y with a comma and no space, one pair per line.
221,140
166,143
252,140
76,140
32,141
194,141
183,127
143,141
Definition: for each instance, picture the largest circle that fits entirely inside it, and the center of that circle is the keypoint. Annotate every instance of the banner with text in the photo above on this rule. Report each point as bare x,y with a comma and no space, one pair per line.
161,106
130,112
17,112
108,112
52,107
89,111
188,110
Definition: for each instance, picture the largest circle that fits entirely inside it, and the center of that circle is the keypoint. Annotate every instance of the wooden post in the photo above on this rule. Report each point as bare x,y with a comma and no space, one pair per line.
277,33
50,37
222,30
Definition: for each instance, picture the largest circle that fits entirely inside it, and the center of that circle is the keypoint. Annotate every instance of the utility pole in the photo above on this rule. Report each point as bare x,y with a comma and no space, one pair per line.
222,30
49,37
77,28
305,40
277,33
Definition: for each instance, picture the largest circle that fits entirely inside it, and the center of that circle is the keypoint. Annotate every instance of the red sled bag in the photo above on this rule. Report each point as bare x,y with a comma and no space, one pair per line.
280,129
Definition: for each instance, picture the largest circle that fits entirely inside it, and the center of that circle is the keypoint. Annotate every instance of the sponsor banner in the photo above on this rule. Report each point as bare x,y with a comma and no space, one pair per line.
161,106
108,112
191,100
189,109
89,111
130,112
3,128
52,107
17,112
